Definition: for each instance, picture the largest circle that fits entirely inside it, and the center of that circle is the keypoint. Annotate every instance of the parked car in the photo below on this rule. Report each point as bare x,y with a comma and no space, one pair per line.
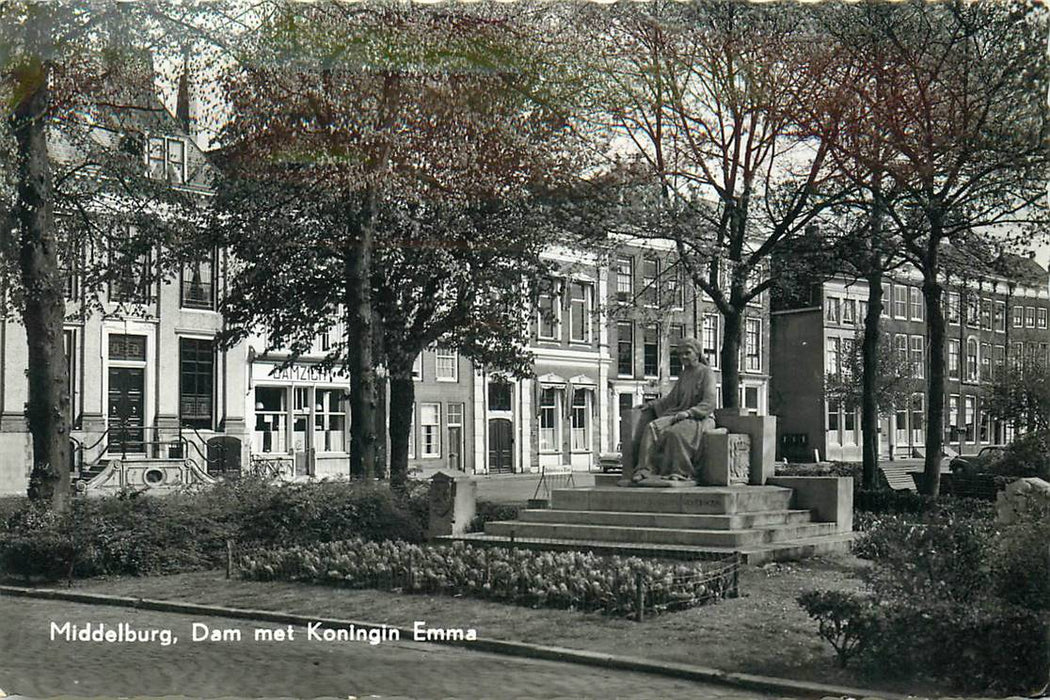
983,461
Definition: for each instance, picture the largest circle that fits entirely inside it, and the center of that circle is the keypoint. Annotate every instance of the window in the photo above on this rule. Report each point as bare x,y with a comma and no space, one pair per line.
918,415
624,279
131,266
271,433
675,334
710,339
915,295
548,311
902,425
499,395
579,311
1029,317
971,360
412,434
918,359
549,420
953,359
417,367
580,440
430,429
900,302
849,311
753,343
986,314
446,365
196,382
166,158
651,351
673,287
901,342
999,317
751,399
625,348
1018,353
973,311
953,307
69,349
1018,317
127,347
198,283
1000,355
329,421
650,285
300,418
952,432
833,419
970,407
986,426
862,311
834,356
1042,317
986,361
832,310
887,299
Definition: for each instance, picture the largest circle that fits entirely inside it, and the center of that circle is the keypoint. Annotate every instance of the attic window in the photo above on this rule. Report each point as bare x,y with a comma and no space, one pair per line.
167,158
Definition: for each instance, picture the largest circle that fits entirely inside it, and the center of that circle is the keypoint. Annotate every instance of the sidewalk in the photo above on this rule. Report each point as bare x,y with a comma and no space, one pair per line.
743,681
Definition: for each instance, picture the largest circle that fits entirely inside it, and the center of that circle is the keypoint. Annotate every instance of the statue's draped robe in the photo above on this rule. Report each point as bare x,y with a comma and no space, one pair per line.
667,449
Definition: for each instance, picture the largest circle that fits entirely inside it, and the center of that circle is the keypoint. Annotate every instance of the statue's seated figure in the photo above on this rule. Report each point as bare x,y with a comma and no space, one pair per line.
668,439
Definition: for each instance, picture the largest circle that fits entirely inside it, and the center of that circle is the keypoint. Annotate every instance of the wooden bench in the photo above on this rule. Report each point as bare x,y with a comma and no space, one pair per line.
898,476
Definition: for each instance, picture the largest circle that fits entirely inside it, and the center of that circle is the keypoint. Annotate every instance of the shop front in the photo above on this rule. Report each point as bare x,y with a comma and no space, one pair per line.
300,415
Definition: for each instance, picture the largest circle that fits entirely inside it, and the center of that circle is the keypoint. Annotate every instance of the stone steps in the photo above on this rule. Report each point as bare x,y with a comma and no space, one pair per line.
696,500
661,535
738,521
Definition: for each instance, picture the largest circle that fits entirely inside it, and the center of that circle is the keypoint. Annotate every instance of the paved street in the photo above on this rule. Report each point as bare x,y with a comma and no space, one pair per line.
33,664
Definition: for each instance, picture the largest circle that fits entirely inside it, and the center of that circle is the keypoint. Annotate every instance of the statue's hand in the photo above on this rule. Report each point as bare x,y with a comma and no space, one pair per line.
681,416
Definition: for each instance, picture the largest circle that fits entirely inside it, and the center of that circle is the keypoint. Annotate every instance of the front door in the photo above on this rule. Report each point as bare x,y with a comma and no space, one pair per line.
501,442
125,409
455,449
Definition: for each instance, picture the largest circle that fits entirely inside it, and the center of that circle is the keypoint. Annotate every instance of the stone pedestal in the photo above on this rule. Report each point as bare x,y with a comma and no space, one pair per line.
453,502
830,498
762,431
726,460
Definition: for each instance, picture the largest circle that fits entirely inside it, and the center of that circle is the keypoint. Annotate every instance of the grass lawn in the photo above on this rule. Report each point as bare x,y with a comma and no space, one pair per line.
764,631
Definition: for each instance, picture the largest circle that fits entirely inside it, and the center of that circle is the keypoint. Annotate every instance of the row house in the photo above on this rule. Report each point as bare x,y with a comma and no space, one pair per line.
652,303
147,378
990,321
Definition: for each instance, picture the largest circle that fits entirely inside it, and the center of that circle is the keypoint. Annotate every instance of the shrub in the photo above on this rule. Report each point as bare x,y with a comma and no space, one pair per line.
137,534
1028,455
846,621
942,558
1021,560
821,469
488,512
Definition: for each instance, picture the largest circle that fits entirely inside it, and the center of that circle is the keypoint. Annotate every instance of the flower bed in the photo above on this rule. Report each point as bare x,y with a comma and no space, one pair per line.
575,580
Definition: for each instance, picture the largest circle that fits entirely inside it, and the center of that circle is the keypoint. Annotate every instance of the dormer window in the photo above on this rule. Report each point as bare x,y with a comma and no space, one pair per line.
167,158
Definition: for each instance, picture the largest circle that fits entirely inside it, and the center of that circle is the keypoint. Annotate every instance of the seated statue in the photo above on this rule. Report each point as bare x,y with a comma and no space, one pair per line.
668,439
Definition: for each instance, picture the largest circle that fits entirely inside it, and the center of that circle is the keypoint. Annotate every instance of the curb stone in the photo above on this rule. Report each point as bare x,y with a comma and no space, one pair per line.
746,681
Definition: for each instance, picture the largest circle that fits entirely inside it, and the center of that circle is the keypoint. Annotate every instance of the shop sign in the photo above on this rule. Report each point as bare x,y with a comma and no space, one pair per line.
306,373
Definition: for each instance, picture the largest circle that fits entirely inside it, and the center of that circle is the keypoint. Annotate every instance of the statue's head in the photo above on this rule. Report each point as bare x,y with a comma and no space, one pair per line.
694,345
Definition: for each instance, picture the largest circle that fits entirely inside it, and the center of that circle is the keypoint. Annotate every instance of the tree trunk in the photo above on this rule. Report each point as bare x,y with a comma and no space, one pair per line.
43,314
932,293
402,397
731,358
869,407
360,346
